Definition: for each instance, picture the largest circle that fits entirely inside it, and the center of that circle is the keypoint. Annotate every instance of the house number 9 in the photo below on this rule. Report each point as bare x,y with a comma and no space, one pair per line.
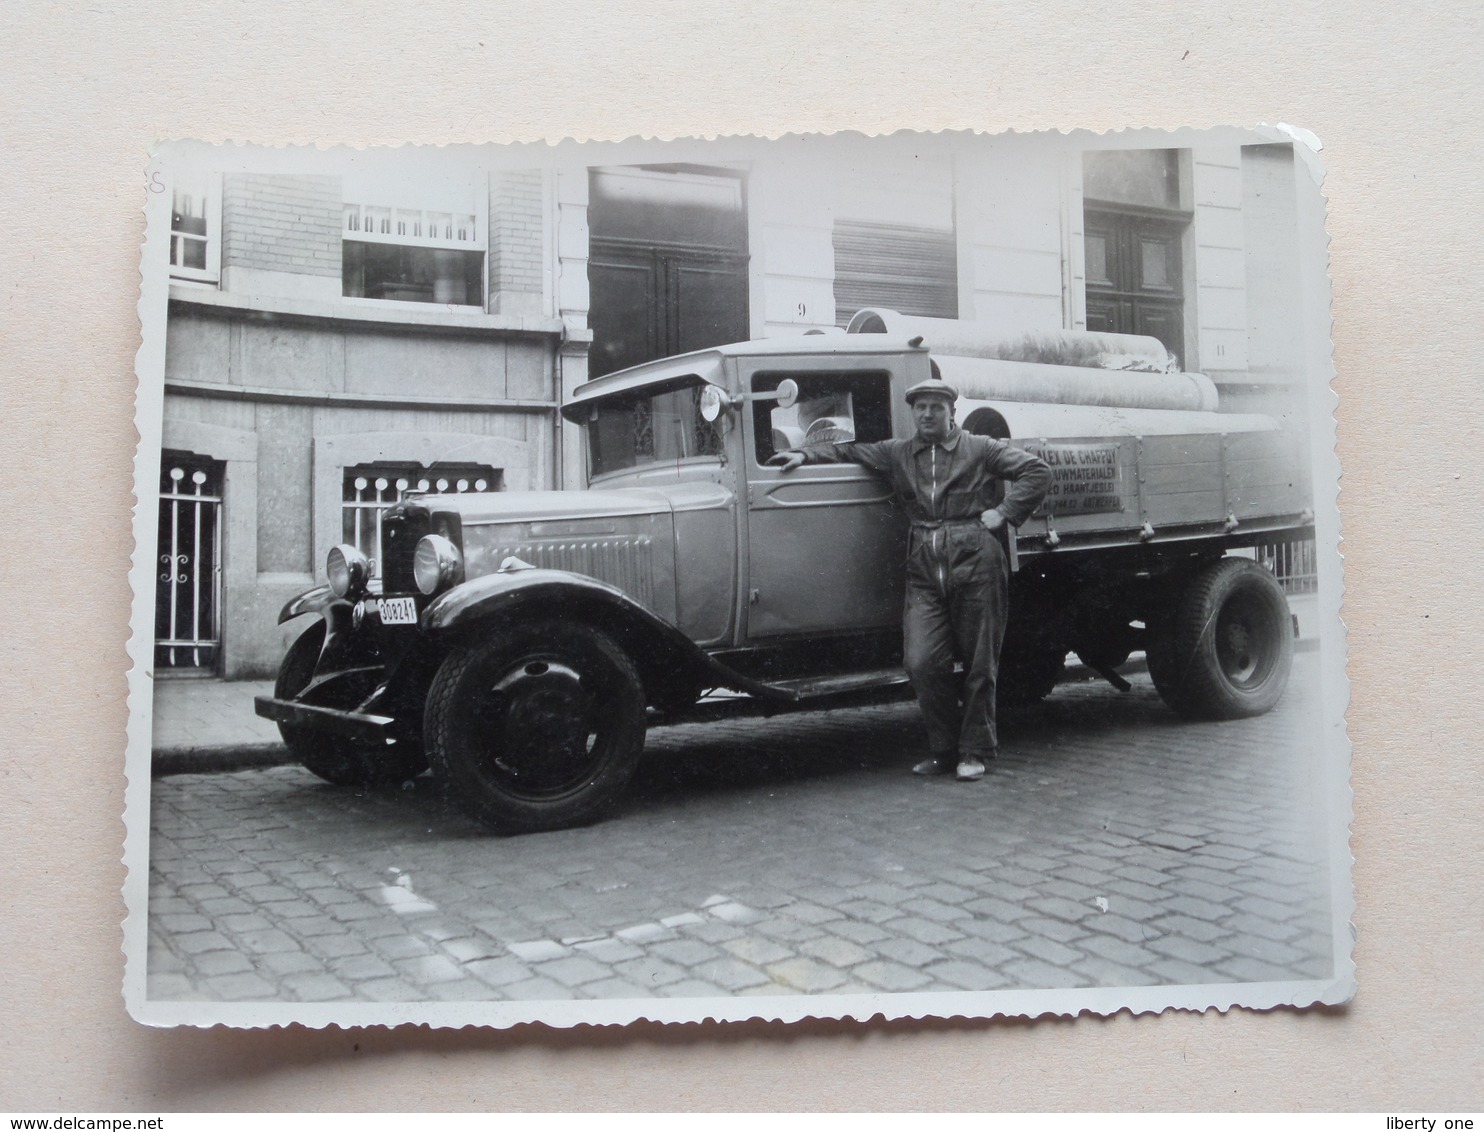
803,310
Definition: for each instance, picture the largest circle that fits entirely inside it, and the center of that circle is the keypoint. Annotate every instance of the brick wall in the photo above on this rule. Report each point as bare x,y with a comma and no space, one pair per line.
282,223
515,231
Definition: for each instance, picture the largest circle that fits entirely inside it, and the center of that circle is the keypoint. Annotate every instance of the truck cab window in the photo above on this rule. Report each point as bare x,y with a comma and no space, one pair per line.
833,408
650,425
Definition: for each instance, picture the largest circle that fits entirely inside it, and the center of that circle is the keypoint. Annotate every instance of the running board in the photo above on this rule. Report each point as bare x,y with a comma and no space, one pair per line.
812,687
808,694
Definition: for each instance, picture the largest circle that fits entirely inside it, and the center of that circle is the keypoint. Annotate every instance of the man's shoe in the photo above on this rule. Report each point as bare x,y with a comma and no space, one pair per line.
970,769
937,764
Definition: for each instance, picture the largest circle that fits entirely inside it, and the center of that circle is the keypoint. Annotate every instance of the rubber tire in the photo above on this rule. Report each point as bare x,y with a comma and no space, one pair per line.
1225,649
336,759
482,740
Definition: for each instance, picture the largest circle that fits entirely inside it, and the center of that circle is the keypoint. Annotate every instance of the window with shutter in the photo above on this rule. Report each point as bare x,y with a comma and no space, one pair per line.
904,268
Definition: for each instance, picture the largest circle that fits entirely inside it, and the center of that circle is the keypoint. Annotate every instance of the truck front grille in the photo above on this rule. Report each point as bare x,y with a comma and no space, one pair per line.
401,528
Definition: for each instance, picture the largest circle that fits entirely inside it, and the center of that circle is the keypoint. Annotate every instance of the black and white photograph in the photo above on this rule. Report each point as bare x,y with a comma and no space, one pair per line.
833,576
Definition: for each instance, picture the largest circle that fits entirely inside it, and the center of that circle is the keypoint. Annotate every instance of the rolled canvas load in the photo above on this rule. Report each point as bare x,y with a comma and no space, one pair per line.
1023,421
1082,348
1067,367
982,379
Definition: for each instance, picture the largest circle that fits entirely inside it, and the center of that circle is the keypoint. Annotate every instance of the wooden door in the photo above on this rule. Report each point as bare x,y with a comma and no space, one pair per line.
667,267
1134,280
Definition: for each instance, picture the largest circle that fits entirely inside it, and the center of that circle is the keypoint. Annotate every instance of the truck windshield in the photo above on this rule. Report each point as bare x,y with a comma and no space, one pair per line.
656,424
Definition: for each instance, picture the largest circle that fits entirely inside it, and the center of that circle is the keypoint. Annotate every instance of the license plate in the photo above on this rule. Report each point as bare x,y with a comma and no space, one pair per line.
398,611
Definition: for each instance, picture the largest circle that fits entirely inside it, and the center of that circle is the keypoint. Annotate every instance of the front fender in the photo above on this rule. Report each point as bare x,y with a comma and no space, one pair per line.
344,647
665,656
498,593
317,600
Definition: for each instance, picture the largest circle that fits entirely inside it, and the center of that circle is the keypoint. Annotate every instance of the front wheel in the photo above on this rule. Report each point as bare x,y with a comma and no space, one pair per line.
539,728
1225,648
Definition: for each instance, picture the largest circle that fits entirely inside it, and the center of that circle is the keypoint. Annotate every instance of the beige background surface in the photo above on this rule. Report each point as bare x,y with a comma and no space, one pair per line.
1393,91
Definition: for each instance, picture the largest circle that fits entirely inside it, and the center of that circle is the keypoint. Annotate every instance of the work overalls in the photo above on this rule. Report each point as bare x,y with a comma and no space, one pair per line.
958,590
958,572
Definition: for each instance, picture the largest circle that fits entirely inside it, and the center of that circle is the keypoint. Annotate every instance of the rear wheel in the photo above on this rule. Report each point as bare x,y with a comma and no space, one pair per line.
1028,673
539,728
1225,648
1103,653
335,758
1034,655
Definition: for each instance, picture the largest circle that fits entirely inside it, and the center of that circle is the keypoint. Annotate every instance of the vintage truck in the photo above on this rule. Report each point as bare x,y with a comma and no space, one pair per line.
521,642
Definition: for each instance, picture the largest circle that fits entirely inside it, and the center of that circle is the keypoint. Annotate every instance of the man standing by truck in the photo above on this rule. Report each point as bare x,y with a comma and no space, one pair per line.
958,568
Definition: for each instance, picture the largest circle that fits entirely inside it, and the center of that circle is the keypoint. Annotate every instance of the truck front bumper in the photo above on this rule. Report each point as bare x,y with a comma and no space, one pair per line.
362,726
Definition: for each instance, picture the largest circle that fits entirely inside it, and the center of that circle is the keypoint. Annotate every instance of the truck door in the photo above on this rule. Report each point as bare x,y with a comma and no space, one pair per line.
826,544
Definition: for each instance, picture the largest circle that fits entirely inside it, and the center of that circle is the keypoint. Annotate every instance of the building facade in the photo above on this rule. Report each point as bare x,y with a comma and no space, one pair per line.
338,334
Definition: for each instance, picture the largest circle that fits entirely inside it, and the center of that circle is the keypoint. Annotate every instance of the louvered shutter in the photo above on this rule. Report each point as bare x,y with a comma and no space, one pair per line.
909,269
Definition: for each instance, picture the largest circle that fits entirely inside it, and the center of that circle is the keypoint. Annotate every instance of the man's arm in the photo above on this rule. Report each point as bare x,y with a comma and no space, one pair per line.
875,457
1030,476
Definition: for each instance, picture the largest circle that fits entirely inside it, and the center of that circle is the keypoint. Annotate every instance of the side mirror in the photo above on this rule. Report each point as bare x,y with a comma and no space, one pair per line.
714,399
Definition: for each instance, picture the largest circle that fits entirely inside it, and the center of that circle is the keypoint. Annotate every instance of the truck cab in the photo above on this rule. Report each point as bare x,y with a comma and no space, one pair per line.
648,429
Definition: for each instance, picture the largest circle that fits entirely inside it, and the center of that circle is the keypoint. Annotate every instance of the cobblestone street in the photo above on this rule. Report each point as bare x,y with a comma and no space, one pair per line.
1112,844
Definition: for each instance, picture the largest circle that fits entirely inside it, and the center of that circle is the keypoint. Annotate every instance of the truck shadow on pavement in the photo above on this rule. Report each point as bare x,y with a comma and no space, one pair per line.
746,754
712,762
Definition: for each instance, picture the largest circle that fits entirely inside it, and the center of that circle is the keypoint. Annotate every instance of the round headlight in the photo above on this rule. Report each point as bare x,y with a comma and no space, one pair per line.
436,564
349,570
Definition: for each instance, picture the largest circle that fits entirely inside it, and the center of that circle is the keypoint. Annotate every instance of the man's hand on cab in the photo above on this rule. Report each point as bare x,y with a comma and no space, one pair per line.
993,519
786,461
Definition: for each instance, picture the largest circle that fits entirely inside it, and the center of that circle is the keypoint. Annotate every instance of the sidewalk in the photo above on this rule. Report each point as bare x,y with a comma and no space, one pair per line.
210,725
204,726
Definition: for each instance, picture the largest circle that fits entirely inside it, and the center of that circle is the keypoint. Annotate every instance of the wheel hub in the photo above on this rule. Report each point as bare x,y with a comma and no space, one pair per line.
539,733
1239,647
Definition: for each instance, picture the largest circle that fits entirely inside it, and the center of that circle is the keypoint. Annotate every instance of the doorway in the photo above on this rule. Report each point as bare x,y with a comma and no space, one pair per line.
1134,279
1137,213
667,266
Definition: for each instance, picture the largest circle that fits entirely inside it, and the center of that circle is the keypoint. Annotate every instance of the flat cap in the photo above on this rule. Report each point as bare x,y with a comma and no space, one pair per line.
932,386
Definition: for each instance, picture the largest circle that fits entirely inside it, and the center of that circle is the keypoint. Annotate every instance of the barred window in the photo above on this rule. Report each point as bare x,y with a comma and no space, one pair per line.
188,586
371,488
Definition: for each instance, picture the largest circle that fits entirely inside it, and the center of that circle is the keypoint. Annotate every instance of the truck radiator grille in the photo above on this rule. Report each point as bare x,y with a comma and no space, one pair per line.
627,563
401,528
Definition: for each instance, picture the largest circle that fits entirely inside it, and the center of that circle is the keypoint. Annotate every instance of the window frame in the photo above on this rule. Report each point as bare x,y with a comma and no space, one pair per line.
210,188
1126,224
869,387
694,382
361,223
